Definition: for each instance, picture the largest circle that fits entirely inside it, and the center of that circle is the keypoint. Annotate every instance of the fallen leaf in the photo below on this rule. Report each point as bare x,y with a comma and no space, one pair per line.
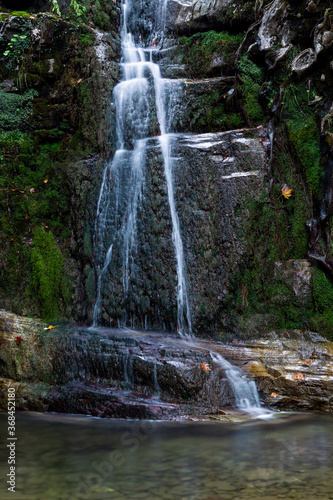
27,216
49,327
299,376
286,192
205,367
45,181
79,81
12,239
17,189
32,190
274,395
308,361
18,340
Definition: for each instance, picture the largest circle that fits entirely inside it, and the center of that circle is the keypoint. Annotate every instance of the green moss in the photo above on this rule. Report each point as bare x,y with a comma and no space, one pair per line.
252,77
304,136
47,267
323,299
21,13
200,48
303,131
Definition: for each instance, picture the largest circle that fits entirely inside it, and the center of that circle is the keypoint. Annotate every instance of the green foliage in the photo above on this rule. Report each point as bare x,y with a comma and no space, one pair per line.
76,8
200,48
16,110
16,50
252,77
47,267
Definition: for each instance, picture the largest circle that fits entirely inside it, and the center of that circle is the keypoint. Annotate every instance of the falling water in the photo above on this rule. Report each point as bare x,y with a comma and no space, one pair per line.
244,390
123,179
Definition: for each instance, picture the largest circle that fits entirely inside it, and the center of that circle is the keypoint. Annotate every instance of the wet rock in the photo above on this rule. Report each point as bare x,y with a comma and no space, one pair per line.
190,15
274,28
323,34
304,61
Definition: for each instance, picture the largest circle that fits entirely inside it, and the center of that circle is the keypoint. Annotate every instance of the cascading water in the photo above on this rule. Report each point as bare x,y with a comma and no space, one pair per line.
123,179
143,102
244,390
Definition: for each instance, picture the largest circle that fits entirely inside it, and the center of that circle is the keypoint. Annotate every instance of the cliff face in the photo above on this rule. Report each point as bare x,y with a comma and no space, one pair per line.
255,259
57,76
280,77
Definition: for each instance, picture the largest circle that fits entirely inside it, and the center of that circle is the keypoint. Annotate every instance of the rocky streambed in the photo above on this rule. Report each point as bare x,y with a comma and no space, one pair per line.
156,375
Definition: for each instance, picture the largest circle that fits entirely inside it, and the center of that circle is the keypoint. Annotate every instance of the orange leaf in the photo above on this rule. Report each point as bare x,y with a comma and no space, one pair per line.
205,367
18,340
273,395
79,81
286,192
49,327
45,181
299,376
17,189
308,361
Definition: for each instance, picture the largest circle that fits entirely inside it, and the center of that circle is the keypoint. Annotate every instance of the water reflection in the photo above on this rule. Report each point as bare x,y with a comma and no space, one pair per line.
66,458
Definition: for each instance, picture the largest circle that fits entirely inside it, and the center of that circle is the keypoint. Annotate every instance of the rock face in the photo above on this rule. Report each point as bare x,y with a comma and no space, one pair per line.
292,368
207,167
133,374
190,15
260,111
60,76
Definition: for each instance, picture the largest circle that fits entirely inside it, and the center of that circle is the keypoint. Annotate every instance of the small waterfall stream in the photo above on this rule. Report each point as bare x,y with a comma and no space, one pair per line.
123,178
143,102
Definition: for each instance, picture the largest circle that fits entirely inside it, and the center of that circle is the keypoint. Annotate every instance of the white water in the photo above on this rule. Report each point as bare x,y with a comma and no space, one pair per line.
244,390
126,172
122,187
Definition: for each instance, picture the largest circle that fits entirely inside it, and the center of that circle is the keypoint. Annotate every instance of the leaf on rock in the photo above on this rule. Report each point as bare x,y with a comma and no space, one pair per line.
299,376
18,340
274,395
205,367
49,327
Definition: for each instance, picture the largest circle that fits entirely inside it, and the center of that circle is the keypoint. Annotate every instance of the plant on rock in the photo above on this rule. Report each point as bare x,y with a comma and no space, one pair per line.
75,7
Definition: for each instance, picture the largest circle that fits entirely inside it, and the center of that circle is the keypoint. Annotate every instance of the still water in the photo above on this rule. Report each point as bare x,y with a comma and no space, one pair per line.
72,457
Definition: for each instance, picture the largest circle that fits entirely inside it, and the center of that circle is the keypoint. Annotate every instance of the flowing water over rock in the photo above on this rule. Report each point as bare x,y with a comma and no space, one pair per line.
143,110
120,203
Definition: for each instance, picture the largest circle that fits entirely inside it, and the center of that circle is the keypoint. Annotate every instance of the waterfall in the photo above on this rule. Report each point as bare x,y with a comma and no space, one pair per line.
122,186
244,390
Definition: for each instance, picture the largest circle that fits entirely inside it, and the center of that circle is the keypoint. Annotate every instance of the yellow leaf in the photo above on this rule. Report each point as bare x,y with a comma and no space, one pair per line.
205,367
286,192
50,327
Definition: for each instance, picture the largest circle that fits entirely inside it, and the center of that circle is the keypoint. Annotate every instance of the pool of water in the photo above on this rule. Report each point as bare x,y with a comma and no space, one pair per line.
71,457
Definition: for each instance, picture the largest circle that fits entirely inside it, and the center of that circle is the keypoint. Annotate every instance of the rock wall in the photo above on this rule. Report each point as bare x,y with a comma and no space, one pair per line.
56,128
255,85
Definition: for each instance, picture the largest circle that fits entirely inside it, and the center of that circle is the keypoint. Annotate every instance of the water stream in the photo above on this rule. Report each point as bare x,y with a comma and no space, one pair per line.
142,111
143,102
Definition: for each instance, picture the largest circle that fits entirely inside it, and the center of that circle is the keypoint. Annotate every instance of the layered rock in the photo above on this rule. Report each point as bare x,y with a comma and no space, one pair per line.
132,374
